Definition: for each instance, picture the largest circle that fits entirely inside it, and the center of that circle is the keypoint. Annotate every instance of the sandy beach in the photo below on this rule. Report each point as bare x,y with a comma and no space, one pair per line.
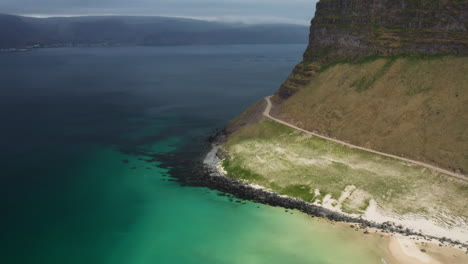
403,250
393,248
400,249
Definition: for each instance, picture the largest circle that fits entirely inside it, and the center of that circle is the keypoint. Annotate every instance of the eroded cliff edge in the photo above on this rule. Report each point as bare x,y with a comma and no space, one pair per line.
349,30
386,74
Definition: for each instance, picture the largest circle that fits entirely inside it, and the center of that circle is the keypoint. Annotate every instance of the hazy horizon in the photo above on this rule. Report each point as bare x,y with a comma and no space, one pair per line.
243,11
207,19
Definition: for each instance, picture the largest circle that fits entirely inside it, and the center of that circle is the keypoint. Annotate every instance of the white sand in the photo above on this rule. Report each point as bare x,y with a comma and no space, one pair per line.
426,226
405,251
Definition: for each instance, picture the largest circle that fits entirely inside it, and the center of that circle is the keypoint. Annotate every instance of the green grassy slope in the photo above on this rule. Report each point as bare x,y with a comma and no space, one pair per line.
413,107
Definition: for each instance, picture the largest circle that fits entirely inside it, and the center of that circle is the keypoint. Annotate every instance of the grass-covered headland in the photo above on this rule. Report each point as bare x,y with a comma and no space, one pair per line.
292,163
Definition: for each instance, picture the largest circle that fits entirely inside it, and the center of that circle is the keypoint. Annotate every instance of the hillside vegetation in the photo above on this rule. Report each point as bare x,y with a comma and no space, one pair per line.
409,106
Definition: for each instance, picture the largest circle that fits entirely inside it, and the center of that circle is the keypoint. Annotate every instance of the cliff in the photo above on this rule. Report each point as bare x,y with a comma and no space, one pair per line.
349,30
386,75
390,75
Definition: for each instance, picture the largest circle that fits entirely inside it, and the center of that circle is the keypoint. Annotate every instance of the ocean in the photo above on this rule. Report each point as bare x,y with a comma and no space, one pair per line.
85,133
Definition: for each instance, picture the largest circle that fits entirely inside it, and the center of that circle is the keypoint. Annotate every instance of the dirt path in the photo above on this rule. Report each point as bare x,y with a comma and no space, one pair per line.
266,113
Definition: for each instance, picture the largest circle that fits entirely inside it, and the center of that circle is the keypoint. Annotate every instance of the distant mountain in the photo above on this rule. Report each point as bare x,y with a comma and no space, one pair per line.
18,31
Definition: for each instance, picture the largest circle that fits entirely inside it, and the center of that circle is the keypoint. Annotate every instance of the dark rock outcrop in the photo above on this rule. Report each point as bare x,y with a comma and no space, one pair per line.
348,30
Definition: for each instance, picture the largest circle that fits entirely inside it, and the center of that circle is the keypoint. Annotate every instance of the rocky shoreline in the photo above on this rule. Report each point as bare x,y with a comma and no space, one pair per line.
212,178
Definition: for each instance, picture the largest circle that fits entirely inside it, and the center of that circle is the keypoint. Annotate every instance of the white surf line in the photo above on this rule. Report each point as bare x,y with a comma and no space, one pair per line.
266,113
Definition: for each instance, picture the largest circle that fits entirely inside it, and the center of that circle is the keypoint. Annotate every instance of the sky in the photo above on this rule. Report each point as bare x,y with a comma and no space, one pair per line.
246,11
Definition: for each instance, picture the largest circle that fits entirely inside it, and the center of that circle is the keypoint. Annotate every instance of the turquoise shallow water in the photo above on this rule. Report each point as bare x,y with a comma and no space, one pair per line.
75,189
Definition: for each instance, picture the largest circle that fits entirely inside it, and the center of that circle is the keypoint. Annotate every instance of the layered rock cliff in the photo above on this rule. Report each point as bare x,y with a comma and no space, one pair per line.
348,30
391,75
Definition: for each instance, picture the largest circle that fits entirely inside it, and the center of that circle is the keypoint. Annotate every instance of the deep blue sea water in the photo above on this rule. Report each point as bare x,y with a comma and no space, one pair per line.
73,193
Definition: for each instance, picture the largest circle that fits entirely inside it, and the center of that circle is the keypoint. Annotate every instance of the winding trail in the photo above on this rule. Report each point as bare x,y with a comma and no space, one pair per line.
266,113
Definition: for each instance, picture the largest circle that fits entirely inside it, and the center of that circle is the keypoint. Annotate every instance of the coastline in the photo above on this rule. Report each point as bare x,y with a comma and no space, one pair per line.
402,236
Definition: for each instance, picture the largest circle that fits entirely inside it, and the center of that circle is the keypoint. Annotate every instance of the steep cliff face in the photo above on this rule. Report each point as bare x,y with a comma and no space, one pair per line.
390,75
348,30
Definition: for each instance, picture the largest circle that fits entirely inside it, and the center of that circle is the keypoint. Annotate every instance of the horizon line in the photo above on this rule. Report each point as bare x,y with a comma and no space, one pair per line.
221,19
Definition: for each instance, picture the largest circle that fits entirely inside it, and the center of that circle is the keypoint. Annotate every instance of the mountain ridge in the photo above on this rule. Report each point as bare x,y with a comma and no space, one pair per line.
20,32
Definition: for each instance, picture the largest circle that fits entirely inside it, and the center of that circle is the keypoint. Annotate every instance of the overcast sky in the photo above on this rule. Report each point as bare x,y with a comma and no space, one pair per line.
248,11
